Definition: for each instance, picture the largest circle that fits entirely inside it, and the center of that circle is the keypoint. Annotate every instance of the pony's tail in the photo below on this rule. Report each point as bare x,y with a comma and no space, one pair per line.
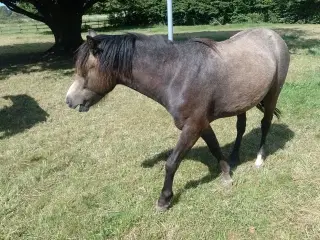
276,112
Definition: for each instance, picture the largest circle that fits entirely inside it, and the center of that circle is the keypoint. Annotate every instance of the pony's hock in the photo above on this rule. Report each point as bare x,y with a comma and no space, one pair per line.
197,81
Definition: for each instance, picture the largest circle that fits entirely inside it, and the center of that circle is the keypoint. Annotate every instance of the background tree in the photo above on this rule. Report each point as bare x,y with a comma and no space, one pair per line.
63,17
193,12
4,12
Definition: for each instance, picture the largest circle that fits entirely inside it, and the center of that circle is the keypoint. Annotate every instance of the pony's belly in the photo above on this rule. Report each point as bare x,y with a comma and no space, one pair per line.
231,111
237,103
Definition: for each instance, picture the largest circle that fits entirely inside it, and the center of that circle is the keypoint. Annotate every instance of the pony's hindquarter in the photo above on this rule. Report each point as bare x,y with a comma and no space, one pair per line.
277,50
269,102
252,63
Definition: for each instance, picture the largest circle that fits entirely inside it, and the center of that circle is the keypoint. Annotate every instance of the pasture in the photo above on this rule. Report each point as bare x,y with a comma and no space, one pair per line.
97,175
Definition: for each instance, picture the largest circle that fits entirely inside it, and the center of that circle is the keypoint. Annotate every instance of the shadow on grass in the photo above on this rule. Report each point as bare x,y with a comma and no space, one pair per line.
22,115
279,135
29,57
298,39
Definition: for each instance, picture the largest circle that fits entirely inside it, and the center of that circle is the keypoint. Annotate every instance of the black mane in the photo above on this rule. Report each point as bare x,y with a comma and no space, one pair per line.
114,53
207,42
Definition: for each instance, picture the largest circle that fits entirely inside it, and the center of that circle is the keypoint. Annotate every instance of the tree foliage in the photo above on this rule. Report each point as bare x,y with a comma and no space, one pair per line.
190,12
4,12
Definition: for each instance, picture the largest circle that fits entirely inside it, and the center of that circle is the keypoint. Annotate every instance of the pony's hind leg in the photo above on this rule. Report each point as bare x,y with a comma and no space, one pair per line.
265,126
211,140
269,104
241,128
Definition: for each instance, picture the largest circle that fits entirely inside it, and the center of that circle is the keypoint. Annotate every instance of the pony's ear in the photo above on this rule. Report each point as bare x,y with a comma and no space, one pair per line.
93,44
92,33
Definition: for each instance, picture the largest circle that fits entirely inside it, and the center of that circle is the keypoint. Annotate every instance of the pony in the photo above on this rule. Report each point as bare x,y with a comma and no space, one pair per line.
197,81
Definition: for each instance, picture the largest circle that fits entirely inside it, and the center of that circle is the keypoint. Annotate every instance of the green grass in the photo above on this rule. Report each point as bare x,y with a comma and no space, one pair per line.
66,175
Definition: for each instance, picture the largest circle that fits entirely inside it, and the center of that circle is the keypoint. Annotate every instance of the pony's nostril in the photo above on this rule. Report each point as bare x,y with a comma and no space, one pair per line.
68,101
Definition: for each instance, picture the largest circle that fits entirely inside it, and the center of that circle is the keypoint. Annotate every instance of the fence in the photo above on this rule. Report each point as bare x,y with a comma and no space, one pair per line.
37,27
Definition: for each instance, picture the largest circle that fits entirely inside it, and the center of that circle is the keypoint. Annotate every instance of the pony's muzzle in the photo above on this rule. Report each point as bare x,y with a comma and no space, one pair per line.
69,103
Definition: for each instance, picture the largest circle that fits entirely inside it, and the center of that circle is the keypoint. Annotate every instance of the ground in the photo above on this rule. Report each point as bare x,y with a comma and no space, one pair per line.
97,175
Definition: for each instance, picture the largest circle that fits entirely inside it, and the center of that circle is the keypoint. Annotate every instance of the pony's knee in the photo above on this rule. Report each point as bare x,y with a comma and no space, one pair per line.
170,166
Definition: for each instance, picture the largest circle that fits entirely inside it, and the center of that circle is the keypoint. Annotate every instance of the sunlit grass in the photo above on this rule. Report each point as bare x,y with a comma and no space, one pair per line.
66,175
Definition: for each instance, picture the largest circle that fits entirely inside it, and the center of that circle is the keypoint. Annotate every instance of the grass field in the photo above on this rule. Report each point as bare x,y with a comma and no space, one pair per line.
97,175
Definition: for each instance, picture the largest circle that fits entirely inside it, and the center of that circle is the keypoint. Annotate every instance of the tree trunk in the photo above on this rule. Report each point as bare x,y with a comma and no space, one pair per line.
64,18
67,33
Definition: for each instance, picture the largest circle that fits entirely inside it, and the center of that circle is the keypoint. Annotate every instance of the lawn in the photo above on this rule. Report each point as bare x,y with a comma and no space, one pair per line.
97,175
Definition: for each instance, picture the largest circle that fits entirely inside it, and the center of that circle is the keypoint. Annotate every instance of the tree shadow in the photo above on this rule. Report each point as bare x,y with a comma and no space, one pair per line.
30,57
23,114
296,43
279,135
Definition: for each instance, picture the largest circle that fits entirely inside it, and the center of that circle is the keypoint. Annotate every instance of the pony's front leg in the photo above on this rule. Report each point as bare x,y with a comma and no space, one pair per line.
188,137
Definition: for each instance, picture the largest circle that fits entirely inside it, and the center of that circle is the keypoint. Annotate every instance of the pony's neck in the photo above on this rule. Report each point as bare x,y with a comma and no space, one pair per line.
152,73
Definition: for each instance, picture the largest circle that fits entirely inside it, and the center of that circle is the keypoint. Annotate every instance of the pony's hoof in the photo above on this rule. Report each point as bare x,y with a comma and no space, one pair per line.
162,207
226,180
258,165
259,161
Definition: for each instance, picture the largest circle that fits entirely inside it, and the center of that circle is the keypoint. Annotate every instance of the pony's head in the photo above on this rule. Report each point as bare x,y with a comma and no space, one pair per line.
101,62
